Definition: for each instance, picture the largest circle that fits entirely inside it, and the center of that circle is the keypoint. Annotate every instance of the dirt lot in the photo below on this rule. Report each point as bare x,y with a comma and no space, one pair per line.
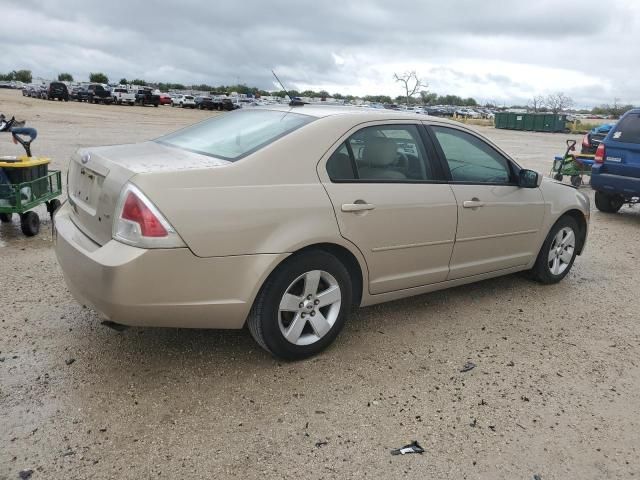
555,391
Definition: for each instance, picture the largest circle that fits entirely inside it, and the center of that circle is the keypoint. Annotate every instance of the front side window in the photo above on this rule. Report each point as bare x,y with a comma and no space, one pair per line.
381,153
236,135
470,159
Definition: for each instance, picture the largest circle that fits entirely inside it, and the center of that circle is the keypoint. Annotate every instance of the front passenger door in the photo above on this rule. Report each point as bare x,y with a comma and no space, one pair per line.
498,222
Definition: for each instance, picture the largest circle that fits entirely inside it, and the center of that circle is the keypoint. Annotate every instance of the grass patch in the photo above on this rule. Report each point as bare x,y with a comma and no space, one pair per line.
579,127
482,122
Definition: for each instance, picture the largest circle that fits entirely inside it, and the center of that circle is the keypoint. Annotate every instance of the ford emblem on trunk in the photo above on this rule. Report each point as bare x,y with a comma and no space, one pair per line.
85,158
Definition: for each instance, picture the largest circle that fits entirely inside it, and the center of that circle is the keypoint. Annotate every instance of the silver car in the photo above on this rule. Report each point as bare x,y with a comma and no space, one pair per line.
284,218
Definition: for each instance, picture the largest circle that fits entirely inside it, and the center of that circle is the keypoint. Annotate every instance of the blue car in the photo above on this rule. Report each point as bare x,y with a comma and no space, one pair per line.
616,170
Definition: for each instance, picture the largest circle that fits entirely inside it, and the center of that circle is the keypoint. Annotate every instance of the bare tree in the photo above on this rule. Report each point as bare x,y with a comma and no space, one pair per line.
558,102
536,103
410,82
616,106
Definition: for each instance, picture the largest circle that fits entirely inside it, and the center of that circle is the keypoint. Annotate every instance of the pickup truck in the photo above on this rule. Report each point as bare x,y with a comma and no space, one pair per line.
121,95
145,96
97,93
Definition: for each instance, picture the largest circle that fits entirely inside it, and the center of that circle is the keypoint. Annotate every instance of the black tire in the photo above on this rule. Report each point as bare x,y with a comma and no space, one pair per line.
558,177
264,322
30,223
608,203
542,271
576,180
6,217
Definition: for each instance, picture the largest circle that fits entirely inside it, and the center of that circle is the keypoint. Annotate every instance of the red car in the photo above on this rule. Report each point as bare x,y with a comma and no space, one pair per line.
165,99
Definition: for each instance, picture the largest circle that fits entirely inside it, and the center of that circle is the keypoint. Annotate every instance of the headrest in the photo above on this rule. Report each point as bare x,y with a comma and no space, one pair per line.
379,152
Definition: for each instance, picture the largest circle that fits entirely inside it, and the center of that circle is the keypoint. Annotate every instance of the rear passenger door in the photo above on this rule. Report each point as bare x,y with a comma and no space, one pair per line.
498,222
391,200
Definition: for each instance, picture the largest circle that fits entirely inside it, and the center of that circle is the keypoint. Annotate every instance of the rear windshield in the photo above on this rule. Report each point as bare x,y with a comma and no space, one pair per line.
235,135
628,129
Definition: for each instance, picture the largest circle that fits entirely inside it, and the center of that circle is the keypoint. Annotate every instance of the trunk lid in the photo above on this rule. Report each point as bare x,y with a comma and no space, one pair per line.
97,175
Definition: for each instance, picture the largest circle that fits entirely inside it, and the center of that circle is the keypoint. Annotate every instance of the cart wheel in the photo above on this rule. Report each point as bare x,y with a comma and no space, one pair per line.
576,180
5,217
558,176
30,223
53,205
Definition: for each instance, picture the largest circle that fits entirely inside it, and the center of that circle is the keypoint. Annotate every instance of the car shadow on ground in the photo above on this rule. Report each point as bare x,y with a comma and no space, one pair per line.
163,347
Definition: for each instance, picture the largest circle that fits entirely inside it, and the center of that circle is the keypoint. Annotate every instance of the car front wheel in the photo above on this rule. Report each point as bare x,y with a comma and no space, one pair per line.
608,203
302,306
558,252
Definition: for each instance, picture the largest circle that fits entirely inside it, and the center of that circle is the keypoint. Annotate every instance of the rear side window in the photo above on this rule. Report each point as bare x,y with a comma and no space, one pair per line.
236,135
628,129
384,153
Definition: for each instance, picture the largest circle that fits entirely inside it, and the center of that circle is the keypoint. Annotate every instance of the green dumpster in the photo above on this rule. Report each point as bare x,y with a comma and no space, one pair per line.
529,120
537,122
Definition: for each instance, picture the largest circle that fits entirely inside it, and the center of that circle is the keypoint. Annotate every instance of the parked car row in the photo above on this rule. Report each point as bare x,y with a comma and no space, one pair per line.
94,93
121,95
216,102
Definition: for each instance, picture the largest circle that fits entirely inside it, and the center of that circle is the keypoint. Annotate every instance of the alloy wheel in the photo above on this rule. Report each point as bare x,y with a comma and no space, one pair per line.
309,307
561,251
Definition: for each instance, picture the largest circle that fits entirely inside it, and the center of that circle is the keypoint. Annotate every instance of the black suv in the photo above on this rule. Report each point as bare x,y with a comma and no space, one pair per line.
98,94
58,90
206,103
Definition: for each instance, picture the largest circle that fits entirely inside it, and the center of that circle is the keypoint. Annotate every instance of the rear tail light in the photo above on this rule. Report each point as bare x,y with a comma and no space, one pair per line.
600,154
585,141
139,223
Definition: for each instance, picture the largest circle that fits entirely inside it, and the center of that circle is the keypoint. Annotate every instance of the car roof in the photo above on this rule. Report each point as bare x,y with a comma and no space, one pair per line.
322,111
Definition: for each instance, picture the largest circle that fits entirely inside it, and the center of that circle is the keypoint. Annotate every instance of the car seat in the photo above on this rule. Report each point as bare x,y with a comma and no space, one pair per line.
378,155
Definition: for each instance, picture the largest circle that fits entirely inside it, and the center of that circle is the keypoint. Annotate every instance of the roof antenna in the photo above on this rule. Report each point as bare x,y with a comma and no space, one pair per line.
292,102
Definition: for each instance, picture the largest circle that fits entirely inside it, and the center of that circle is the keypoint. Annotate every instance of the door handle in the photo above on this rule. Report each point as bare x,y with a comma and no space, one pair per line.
357,207
473,203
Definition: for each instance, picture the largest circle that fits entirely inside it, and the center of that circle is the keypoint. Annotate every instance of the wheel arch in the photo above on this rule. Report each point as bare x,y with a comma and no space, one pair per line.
342,253
581,220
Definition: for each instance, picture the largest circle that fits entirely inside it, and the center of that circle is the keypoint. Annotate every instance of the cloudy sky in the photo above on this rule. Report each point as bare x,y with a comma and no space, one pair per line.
493,50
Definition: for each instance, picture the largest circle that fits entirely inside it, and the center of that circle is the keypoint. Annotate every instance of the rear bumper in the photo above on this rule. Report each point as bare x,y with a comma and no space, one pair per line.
158,287
615,184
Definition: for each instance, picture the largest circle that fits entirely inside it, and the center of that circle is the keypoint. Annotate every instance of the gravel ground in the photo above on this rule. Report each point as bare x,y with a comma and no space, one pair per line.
554,392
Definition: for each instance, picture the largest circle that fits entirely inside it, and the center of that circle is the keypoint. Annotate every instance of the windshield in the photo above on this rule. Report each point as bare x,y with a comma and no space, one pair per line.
235,135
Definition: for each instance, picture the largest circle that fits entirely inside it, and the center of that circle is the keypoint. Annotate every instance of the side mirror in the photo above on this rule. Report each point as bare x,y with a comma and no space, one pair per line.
529,179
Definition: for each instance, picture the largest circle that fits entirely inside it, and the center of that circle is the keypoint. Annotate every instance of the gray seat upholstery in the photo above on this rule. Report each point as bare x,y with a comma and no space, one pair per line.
339,167
378,155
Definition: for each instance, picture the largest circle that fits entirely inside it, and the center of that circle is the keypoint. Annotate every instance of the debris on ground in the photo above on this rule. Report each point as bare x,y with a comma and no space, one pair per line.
468,366
321,443
537,477
25,474
413,447
69,361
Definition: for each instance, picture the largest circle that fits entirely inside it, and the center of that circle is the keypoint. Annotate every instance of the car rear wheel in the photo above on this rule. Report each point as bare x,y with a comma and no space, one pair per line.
302,306
558,252
608,203
5,217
